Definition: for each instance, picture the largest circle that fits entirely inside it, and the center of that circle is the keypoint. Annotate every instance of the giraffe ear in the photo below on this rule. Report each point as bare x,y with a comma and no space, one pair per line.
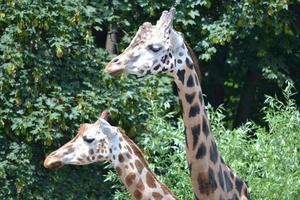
176,39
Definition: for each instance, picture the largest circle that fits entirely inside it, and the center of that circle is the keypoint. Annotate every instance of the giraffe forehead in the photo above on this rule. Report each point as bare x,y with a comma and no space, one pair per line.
93,129
148,35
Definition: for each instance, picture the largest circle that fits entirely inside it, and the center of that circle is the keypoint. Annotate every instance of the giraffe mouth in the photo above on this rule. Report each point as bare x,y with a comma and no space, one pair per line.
113,70
52,163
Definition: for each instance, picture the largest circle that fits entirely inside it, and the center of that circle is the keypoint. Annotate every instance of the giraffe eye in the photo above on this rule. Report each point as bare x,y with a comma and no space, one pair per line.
88,140
154,48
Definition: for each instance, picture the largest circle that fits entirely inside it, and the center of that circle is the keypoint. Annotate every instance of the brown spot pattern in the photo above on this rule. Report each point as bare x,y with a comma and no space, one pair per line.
190,82
150,180
190,97
213,152
157,196
221,178
228,183
139,166
205,126
121,158
91,151
196,130
137,194
129,149
201,152
128,155
194,110
119,171
207,182
129,179
238,184
203,183
140,185
69,149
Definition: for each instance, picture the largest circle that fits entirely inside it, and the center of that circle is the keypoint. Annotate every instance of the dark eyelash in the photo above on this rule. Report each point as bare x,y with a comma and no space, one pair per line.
88,140
152,48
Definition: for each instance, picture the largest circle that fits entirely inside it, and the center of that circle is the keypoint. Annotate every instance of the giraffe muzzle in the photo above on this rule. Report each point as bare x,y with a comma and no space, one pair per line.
53,163
114,69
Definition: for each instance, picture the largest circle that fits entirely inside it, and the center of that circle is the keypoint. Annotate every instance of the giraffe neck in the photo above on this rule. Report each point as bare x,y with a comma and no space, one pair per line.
211,178
134,172
202,154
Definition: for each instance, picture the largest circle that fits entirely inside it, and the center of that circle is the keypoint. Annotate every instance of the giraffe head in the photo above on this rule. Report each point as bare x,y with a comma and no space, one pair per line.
93,142
152,50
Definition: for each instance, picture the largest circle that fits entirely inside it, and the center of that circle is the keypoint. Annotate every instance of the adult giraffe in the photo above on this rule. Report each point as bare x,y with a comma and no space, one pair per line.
100,141
160,49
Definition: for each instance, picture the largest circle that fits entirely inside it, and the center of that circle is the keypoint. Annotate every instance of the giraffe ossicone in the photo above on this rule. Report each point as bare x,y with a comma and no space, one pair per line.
100,141
161,49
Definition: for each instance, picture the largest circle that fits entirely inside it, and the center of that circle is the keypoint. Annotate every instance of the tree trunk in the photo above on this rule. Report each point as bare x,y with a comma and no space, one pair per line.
111,40
247,102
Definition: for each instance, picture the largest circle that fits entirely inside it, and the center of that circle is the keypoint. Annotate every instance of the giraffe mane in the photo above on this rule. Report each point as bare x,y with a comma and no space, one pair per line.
140,154
195,60
135,148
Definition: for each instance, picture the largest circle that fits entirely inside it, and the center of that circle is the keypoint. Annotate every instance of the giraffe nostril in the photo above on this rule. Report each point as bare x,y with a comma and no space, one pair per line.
56,165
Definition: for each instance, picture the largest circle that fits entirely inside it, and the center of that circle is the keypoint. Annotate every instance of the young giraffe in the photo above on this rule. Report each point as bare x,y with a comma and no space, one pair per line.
159,48
101,141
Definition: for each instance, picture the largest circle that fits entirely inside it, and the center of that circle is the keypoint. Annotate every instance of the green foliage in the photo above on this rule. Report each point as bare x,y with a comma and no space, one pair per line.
242,43
48,66
23,176
51,80
268,160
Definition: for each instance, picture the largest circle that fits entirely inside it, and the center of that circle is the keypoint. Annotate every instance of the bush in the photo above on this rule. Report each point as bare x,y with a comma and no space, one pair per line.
51,81
265,156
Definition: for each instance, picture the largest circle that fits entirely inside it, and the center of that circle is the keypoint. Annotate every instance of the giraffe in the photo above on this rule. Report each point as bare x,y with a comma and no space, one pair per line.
160,49
100,141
